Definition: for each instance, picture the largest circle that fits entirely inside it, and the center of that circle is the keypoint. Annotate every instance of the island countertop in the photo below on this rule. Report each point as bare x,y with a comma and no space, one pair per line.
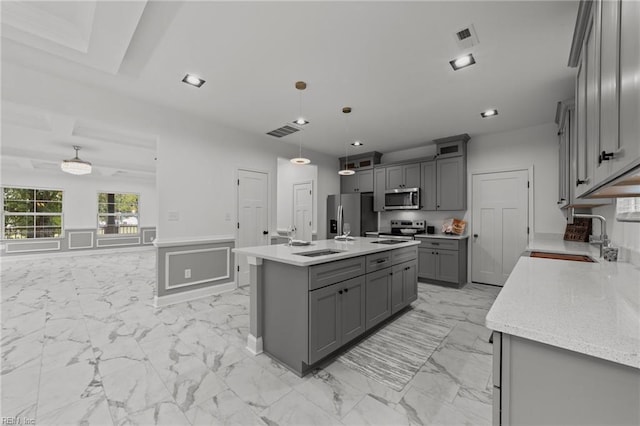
291,254
590,308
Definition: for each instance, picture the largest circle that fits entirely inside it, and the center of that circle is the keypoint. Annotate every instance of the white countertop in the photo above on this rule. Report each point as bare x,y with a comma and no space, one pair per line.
443,236
591,308
286,254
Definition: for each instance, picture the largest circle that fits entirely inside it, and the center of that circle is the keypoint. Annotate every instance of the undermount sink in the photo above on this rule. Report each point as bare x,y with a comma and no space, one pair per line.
317,253
389,242
560,256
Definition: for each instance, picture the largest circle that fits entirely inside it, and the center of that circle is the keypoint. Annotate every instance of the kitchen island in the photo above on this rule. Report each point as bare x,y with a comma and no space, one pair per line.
307,302
567,340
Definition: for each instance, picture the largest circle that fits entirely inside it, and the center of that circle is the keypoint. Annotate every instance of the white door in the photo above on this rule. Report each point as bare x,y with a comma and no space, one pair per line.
499,232
302,210
253,225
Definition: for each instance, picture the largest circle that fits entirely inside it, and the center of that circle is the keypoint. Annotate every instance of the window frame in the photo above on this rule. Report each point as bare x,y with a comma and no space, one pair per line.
99,229
3,214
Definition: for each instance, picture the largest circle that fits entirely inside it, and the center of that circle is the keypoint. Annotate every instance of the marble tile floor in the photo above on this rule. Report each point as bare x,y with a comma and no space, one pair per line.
83,344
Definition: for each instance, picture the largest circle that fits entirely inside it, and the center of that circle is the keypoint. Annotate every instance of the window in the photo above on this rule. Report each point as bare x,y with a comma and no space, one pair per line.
31,213
628,209
117,213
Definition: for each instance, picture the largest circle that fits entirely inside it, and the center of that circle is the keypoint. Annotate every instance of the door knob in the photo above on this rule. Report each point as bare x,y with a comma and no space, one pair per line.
475,235
265,232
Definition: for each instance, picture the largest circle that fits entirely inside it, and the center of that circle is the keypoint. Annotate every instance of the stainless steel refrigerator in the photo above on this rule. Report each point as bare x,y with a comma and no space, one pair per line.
354,209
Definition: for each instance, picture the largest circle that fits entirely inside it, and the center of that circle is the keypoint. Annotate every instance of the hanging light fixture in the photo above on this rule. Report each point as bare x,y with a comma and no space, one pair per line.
346,171
300,85
76,166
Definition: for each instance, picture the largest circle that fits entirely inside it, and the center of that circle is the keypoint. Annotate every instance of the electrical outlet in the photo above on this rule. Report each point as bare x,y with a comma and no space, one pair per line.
187,273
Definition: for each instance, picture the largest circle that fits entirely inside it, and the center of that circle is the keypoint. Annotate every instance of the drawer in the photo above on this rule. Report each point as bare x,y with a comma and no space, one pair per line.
404,255
334,272
439,243
378,261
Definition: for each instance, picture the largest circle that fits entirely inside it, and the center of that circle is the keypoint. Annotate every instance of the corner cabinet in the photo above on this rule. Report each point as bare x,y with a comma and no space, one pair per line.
606,53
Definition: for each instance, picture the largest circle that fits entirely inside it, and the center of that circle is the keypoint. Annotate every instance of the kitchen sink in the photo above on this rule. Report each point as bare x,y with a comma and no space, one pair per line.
317,253
389,241
560,256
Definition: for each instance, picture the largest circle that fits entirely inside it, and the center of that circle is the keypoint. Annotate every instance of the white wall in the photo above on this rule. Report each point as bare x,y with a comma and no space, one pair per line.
288,175
197,163
80,197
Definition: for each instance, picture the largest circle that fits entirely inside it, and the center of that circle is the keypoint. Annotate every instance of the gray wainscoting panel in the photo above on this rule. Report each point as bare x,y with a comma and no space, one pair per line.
209,265
148,235
118,241
32,246
80,240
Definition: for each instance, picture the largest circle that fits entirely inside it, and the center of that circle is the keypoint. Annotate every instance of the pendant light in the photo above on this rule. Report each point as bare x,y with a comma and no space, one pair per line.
300,85
76,166
346,171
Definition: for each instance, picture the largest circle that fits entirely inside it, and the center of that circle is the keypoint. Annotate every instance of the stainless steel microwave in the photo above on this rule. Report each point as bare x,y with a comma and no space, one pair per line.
402,199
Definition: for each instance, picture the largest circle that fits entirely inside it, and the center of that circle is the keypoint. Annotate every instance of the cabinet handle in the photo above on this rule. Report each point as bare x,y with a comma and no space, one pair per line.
580,182
475,235
605,156
435,244
381,260
433,252
340,291
390,273
346,290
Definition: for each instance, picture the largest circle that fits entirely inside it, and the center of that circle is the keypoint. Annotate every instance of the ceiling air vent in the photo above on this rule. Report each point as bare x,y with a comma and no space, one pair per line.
283,131
467,37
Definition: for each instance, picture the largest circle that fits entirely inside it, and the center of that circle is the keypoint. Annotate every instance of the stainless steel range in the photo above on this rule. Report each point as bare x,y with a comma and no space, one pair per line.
405,229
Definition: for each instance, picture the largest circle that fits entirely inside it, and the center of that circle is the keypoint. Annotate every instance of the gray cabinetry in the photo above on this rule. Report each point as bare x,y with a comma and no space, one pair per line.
404,285
403,176
379,186
429,185
361,181
378,295
584,390
451,179
443,260
336,316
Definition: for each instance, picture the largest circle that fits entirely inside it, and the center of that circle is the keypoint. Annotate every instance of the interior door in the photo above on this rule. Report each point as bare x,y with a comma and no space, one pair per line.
499,224
302,210
253,226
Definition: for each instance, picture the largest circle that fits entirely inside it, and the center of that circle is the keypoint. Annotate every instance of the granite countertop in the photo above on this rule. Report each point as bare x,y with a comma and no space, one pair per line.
359,246
590,308
443,236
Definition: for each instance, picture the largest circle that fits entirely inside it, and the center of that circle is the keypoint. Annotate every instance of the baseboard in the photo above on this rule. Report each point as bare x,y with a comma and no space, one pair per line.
254,344
187,296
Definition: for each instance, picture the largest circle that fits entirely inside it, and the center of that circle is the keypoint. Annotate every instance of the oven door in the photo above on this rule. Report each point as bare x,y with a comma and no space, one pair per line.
402,199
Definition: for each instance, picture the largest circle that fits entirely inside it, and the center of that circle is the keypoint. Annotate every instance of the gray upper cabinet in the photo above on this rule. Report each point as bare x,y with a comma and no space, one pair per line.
361,181
379,186
429,185
606,52
451,178
403,176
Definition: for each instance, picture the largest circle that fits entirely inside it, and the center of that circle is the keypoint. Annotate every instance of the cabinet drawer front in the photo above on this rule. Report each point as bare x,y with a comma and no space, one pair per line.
439,243
378,261
404,255
334,272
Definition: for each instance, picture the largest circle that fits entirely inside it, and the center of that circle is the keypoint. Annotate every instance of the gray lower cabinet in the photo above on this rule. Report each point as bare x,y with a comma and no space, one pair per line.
310,312
443,260
539,384
336,316
378,295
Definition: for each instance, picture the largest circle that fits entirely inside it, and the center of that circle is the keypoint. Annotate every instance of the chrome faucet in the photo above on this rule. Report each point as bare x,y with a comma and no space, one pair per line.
603,239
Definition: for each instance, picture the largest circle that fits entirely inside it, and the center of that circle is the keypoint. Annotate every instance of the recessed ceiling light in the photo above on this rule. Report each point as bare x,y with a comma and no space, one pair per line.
357,143
193,80
489,113
462,62
301,121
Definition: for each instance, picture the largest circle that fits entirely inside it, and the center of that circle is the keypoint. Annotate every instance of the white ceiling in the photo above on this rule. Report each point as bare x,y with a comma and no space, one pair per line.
389,61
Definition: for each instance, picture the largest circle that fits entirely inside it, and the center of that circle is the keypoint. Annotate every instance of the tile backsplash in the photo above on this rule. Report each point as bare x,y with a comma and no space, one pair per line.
431,218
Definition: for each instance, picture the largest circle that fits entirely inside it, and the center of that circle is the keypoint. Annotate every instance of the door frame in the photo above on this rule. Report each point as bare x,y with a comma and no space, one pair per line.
530,206
293,206
236,232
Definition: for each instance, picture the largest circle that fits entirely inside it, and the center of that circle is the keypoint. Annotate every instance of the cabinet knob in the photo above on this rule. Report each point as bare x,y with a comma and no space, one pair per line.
340,291
475,235
580,182
605,156
346,290
265,232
